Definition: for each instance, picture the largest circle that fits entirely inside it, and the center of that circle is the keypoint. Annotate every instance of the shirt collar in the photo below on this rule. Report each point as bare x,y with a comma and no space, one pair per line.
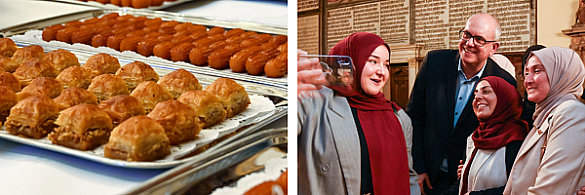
462,74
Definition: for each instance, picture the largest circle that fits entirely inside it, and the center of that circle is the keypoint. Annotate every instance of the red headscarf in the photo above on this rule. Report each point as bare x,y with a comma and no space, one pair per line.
382,129
504,124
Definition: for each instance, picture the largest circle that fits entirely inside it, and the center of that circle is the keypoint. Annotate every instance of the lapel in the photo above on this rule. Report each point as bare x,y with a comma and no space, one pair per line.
346,141
450,90
532,138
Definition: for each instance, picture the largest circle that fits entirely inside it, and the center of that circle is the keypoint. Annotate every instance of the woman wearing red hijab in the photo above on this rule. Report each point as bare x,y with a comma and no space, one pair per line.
351,139
492,148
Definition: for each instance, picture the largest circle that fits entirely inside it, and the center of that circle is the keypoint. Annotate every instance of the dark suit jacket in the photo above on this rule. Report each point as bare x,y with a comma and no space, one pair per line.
431,107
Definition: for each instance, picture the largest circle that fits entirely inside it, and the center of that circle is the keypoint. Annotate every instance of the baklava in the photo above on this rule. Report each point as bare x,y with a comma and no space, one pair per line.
107,85
7,47
9,80
25,53
61,59
8,99
122,107
179,81
179,120
206,105
75,76
139,138
42,86
32,117
82,127
32,69
8,64
73,96
149,94
102,64
137,72
232,95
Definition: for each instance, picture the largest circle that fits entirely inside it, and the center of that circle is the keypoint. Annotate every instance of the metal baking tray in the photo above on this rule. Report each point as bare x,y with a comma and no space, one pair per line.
208,172
34,37
165,5
183,153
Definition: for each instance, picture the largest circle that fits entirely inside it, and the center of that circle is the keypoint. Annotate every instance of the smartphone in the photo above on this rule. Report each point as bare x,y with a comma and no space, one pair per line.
337,70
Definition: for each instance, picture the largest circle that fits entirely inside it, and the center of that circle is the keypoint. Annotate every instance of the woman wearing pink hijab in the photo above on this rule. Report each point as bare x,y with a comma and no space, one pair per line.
552,158
351,138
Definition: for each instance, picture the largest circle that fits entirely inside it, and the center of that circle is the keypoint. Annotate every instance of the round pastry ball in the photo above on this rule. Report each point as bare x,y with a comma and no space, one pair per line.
179,120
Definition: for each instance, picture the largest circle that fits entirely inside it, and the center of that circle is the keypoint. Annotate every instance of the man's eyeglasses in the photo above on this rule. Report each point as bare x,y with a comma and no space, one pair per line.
478,40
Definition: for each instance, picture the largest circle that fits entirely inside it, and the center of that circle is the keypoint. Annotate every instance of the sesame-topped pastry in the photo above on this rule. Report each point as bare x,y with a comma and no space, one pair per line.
232,95
179,81
75,76
32,117
32,51
8,64
179,120
137,72
139,138
122,107
61,59
102,64
42,85
149,94
82,127
32,69
107,85
206,105
9,80
8,99
7,47
73,96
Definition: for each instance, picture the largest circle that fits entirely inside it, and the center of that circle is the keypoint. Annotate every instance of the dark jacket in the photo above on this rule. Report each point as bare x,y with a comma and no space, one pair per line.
431,107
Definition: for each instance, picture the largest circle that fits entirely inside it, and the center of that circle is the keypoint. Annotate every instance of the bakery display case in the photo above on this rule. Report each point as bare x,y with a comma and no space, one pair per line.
247,141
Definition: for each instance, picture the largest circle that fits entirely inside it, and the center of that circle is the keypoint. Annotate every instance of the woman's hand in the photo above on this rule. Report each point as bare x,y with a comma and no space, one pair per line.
309,71
459,169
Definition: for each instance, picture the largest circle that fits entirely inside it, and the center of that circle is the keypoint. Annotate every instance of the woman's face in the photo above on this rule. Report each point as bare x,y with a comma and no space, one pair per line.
485,100
375,72
536,80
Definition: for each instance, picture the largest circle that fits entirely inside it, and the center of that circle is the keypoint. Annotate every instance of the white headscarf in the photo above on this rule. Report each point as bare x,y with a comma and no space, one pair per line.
565,73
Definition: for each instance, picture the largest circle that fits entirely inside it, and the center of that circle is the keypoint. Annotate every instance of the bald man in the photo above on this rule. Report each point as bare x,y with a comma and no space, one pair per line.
440,103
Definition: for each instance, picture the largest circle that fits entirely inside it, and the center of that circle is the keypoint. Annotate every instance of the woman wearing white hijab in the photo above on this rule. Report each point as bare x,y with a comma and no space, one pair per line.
552,157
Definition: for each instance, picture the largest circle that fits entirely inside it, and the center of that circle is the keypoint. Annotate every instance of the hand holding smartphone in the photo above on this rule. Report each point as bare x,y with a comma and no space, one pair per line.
337,70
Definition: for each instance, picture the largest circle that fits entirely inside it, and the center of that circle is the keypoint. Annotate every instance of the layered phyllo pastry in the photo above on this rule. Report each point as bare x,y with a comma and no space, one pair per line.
179,81
75,76
122,107
42,86
139,138
33,117
206,105
32,51
232,95
61,59
83,127
33,68
9,80
179,120
8,99
102,64
73,96
107,85
149,94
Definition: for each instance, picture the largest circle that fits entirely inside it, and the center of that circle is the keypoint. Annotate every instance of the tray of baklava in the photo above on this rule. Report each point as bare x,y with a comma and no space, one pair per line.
122,111
233,49
135,4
